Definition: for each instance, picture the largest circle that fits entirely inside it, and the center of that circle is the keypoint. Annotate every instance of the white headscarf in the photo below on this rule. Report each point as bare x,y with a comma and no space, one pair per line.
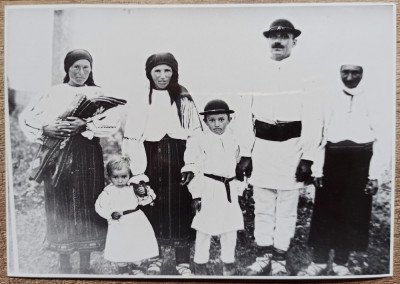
354,59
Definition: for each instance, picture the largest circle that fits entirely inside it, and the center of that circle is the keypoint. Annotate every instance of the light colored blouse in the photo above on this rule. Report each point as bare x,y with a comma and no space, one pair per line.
55,103
151,122
349,116
164,118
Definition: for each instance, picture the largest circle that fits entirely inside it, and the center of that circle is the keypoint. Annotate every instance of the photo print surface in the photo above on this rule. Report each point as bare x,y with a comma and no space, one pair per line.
200,141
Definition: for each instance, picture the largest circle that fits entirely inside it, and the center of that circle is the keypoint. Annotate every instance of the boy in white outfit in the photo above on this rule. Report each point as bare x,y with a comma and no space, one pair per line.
210,160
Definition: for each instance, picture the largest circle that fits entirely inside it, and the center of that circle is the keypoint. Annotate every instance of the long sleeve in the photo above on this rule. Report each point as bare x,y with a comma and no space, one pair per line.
33,118
246,135
132,143
190,117
376,165
103,205
192,158
312,125
134,149
192,155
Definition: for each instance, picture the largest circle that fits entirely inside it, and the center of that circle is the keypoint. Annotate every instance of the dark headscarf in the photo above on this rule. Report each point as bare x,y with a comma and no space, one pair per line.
72,57
173,88
158,59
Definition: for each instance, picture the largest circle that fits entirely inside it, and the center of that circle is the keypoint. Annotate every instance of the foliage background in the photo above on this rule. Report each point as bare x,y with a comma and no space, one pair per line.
30,221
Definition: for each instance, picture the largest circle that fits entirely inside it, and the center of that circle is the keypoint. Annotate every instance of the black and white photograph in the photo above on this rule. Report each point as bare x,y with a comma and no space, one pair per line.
228,141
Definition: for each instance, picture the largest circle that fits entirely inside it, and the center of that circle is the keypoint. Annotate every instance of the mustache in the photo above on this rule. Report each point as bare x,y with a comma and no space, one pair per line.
277,45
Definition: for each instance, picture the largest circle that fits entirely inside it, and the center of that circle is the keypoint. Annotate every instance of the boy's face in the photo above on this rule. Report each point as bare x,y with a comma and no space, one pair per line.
217,122
120,178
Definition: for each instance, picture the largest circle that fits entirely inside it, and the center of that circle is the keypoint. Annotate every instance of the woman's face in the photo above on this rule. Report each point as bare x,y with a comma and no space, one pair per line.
79,72
161,75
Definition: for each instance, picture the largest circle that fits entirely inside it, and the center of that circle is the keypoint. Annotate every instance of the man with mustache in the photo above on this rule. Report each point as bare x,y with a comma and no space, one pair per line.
282,134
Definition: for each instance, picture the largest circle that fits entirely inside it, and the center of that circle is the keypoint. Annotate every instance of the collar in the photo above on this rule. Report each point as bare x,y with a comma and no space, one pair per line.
354,91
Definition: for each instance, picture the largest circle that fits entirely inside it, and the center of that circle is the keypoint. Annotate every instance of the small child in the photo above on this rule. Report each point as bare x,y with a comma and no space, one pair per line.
210,160
130,236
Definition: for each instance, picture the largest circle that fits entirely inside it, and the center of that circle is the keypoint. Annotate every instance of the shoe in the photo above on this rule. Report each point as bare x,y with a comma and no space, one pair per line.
228,269
184,269
87,270
200,269
278,268
136,271
341,270
261,266
123,270
65,270
155,266
314,269
65,264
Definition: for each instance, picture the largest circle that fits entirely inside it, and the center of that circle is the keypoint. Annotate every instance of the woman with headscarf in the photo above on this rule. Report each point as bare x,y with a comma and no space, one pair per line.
155,139
72,168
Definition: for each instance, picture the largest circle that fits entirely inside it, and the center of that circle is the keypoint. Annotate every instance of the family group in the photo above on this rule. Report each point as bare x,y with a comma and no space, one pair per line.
179,173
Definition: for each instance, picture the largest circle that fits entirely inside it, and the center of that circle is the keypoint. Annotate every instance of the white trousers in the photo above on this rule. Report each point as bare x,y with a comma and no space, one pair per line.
275,216
202,247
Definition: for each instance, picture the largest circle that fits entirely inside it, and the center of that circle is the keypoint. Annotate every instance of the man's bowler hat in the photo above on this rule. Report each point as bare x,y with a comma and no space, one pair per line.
282,25
216,107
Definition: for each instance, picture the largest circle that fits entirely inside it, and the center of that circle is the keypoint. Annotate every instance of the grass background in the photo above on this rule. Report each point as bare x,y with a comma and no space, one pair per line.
30,221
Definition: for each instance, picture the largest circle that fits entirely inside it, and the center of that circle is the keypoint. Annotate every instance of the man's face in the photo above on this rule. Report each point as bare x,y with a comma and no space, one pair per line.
281,44
351,75
217,122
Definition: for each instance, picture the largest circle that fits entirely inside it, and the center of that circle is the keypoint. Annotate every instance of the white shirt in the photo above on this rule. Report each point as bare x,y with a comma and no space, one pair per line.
215,154
152,122
348,119
348,116
163,118
211,153
284,95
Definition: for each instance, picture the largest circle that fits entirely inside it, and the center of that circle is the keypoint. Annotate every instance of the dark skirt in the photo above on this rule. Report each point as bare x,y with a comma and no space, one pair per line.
72,223
342,211
171,214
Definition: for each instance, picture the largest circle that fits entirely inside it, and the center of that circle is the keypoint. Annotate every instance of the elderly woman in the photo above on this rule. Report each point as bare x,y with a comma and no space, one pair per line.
70,159
155,139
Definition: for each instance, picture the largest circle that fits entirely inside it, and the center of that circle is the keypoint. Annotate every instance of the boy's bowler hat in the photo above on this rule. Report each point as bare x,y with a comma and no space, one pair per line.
282,25
216,107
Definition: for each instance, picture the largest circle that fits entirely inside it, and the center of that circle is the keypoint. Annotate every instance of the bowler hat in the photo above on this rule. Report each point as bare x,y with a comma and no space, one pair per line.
216,107
282,25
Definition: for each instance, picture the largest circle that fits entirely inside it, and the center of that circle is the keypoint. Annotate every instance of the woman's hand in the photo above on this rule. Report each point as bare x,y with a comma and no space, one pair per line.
62,129
318,182
140,189
186,178
196,205
56,130
372,187
75,125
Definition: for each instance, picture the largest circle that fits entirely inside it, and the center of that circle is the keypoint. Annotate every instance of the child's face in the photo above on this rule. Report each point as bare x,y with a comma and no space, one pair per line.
218,122
120,178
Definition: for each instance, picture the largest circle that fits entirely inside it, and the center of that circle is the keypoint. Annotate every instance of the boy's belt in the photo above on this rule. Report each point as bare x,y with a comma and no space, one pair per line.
277,132
225,181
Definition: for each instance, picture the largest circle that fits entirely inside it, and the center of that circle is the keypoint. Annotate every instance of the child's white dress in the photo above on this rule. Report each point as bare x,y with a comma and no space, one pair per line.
131,238
214,154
